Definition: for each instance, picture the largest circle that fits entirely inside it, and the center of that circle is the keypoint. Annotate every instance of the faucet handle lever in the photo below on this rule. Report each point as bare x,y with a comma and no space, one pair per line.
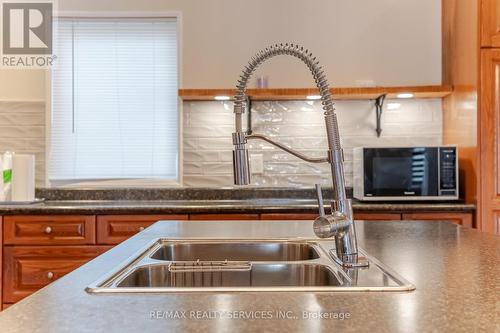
319,195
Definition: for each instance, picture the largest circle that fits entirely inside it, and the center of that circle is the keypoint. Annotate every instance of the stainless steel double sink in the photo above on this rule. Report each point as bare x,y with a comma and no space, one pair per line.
210,265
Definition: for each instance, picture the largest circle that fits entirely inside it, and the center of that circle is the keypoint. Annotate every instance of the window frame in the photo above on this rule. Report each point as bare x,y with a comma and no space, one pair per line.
106,183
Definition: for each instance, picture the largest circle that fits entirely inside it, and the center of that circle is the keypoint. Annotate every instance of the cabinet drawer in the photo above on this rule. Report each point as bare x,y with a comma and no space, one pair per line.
225,217
49,230
29,268
113,229
288,216
377,216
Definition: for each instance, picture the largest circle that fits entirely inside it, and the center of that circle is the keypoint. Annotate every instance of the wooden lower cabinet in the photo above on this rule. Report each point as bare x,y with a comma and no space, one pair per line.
225,217
376,216
464,219
310,216
29,268
284,216
114,229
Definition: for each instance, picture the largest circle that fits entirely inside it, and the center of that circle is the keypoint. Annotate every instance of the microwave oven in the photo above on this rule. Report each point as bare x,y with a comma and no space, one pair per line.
405,173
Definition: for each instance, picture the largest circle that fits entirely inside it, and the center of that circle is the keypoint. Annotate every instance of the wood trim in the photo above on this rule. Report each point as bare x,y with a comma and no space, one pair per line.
65,229
464,219
223,217
460,69
6,305
489,128
337,93
114,229
490,28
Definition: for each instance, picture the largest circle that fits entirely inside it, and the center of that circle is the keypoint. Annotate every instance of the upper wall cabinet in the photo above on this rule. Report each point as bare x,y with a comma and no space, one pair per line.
490,23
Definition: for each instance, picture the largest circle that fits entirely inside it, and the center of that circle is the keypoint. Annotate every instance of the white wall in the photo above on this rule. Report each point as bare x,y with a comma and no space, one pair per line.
22,85
391,42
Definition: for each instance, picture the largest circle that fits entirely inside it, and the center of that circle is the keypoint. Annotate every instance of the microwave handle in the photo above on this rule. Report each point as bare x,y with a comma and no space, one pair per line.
319,196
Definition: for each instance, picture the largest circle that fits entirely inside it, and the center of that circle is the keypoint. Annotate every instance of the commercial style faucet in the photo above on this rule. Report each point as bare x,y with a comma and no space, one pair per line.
339,223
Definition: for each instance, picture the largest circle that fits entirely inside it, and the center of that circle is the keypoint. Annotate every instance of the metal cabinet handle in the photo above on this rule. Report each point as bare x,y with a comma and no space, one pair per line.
50,275
48,230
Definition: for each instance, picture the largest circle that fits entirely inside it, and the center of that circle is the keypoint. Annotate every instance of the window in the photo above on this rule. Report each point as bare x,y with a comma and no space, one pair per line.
114,112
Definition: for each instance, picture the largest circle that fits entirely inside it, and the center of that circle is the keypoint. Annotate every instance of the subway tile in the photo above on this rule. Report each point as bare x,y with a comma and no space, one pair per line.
208,180
22,119
215,143
226,156
22,131
217,118
190,143
217,168
192,168
208,130
299,125
21,107
201,155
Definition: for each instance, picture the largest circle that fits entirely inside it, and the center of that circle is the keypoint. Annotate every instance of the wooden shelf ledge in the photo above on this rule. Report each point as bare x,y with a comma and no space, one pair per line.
350,93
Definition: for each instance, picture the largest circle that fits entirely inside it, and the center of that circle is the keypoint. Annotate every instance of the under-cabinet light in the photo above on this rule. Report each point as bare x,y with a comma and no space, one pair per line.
313,97
222,98
405,95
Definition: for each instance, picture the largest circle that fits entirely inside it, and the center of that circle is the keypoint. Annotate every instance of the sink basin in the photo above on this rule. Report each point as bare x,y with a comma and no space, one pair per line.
260,275
237,251
238,265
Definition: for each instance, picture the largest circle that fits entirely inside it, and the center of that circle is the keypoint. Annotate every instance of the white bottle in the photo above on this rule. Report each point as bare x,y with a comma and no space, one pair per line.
23,177
7,175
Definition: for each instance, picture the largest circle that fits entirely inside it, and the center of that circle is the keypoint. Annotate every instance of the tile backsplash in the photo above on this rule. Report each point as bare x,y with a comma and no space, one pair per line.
300,125
22,129
207,128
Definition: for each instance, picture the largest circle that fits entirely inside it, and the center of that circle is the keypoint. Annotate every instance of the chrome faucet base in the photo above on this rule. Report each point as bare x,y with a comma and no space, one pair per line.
350,261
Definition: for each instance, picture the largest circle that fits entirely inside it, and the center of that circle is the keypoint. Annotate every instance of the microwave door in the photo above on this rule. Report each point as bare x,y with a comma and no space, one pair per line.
400,172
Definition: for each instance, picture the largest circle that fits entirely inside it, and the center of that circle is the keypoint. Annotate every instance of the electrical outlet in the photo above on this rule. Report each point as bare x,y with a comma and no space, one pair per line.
256,163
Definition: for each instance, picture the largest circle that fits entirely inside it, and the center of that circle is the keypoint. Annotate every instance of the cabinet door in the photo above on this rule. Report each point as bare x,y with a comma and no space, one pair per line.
214,217
29,268
489,139
114,229
6,305
490,23
464,219
376,216
49,230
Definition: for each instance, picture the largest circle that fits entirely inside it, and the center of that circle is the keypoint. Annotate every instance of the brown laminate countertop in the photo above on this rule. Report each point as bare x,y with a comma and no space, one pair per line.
266,205
455,270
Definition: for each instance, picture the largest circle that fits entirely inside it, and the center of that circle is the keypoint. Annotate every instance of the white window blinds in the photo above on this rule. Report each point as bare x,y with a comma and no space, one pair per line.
114,100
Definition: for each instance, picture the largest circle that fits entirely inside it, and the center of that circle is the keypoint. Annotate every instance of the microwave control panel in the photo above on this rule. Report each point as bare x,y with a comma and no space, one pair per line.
448,171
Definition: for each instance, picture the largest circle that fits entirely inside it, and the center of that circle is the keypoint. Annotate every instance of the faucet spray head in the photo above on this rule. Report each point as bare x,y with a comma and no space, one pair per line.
241,163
